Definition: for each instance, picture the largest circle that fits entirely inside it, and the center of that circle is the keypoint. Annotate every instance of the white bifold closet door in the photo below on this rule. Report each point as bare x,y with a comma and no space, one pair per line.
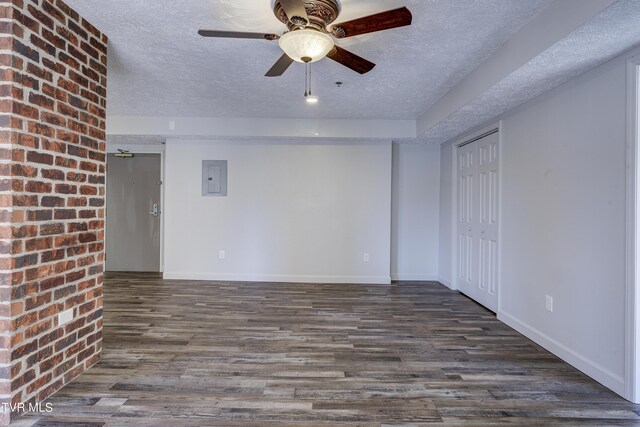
477,216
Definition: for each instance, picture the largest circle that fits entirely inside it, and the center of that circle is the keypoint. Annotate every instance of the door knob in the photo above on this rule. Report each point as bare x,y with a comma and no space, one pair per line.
155,210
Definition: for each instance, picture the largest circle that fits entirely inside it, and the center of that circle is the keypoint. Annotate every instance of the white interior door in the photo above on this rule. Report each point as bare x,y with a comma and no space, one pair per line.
477,245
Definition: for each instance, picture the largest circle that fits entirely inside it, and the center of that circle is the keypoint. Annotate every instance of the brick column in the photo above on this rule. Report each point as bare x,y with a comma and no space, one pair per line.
52,176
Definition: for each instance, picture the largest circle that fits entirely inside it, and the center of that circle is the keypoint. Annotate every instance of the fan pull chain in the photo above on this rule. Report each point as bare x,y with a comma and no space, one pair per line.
306,79
309,67
307,88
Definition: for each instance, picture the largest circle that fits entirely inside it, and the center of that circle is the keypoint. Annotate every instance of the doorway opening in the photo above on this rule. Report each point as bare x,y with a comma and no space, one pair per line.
134,209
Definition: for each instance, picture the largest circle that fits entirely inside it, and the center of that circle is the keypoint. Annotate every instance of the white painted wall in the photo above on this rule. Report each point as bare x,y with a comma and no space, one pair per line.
415,211
563,220
294,212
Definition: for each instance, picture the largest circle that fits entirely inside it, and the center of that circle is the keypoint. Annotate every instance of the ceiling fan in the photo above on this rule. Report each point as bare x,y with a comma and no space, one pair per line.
310,36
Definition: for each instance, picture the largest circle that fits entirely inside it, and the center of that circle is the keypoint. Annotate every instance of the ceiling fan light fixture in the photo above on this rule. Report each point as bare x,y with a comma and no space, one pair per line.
306,45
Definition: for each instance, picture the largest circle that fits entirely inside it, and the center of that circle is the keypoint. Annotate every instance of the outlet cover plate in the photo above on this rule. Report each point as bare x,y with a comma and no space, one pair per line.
65,317
549,303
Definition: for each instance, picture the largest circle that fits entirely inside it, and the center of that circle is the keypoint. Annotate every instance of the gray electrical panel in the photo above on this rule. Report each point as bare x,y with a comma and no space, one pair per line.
214,178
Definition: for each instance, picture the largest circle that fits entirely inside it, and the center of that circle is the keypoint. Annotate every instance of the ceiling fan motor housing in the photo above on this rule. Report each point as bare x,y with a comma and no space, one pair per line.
321,13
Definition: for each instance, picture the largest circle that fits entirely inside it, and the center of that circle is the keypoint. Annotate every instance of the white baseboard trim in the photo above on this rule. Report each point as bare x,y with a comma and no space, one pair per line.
588,367
230,277
415,277
445,282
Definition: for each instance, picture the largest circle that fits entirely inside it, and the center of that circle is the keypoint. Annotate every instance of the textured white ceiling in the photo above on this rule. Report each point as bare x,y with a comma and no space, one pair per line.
159,66
607,35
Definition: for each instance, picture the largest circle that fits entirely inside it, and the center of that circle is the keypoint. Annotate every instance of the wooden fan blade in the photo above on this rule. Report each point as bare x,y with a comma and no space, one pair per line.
351,60
378,22
280,67
294,8
238,35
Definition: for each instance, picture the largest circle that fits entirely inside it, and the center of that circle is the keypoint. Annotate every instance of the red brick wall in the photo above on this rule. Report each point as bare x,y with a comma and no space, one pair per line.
52,176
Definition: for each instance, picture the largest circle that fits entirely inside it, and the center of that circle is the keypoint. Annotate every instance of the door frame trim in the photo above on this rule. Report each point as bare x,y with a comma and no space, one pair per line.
632,286
148,149
495,127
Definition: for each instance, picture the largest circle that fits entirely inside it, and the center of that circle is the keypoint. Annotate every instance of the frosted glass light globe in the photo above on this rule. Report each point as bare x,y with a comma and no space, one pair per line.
306,45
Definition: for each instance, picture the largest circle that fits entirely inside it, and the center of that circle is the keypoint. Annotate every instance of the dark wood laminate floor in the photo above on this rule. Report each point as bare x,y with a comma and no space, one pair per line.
255,354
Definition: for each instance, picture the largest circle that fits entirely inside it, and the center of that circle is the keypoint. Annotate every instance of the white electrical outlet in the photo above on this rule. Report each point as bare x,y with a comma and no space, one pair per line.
222,255
172,125
549,303
65,317
365,258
